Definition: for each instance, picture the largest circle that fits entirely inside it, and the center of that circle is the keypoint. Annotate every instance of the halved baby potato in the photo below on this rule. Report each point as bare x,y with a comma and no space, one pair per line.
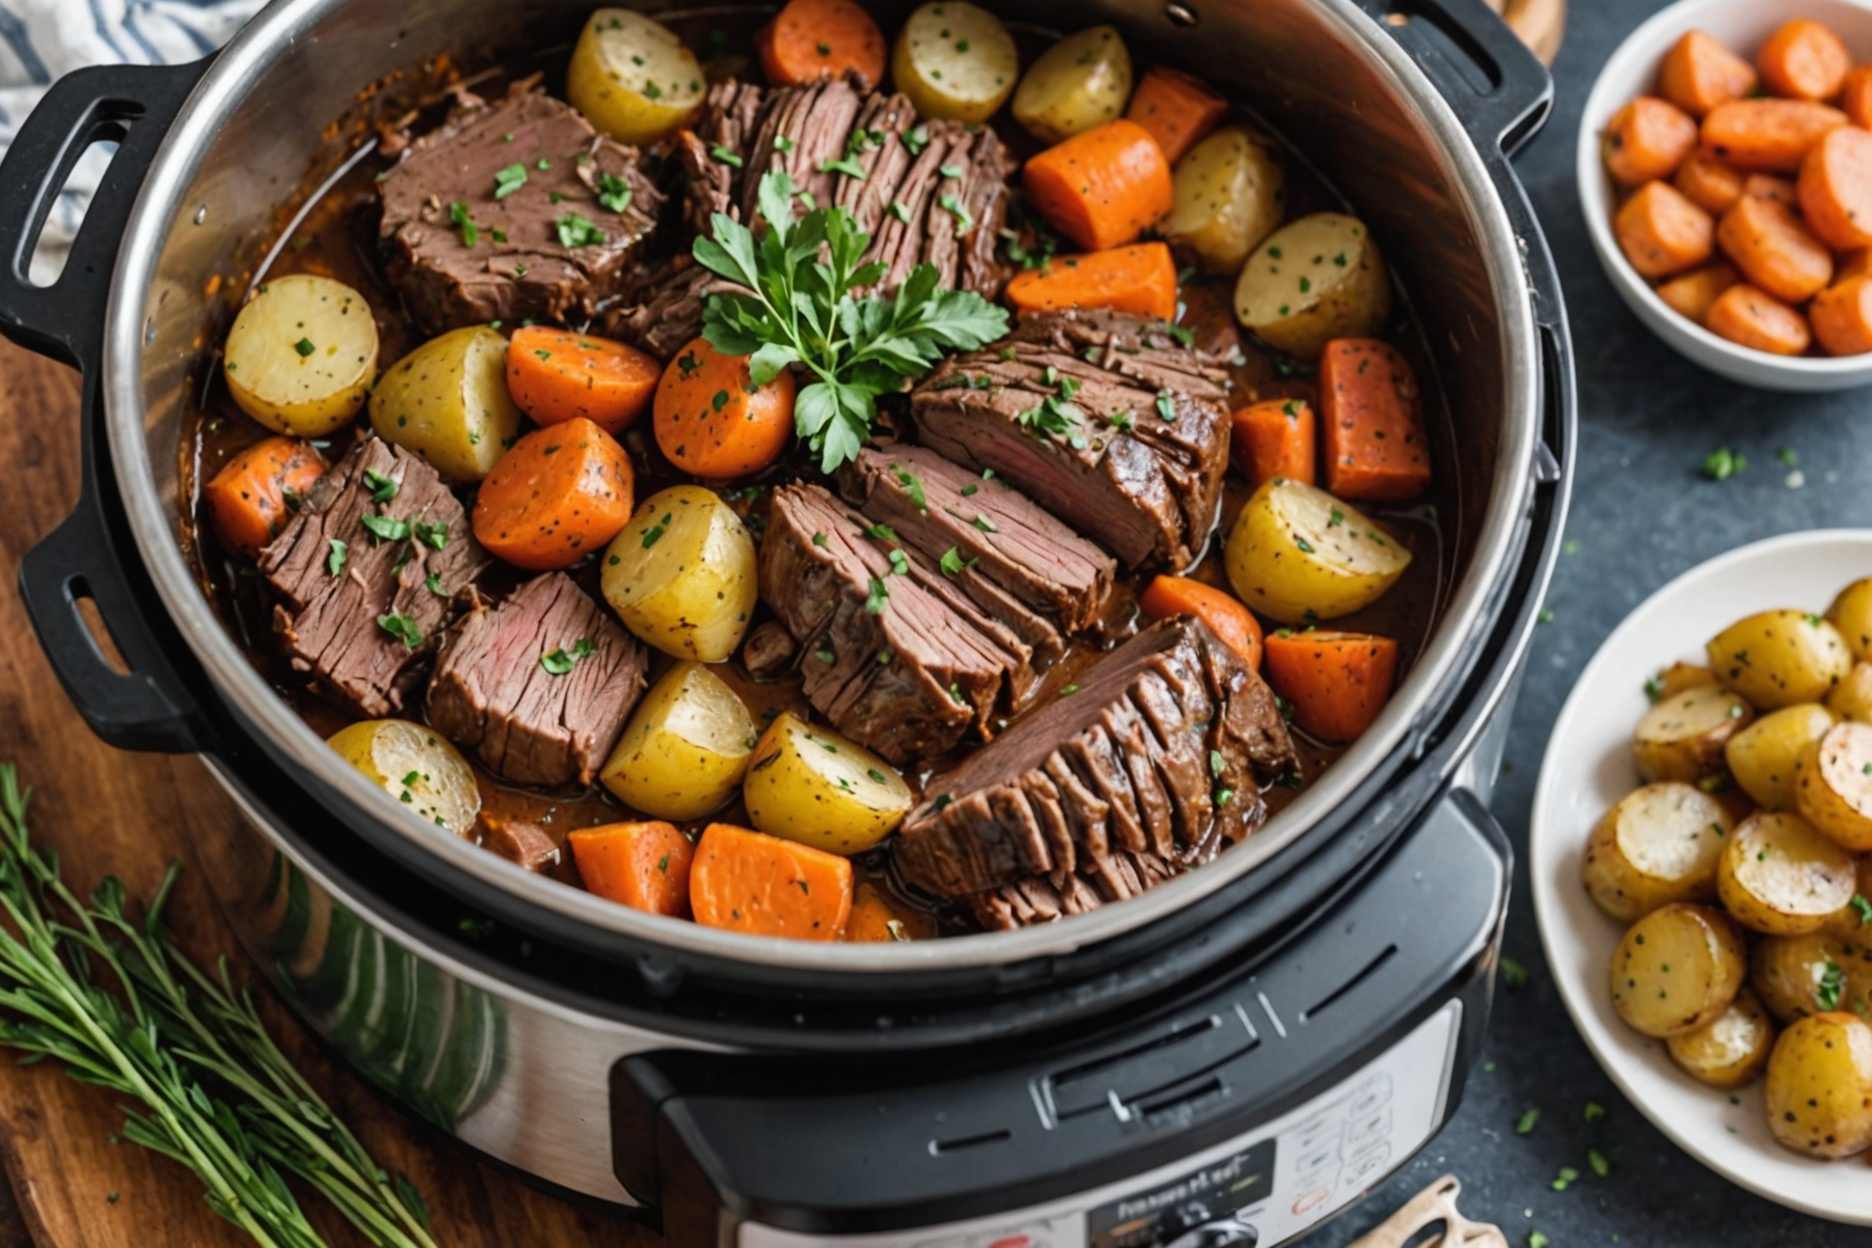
1834,788
955,61
301,355
811,785
1851,613
1082,81
1852,697
685,748
1777,658
682,574
1765,757
1298,554
1678,677
1230,194
417,767
1677,969
447,401
1660,844
1315,279
1778,875
1809,974
1729,1050
632,77
1682,736
1819,1096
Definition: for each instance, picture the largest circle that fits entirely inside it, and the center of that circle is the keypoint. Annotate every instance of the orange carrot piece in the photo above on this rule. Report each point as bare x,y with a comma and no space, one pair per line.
1275,438
1336,682
1708,183
813,40
1371,418
1803,60
1102,187
1661,232
1856,96
1774,249
1842,317
710,420
1853,264
1771,136
1648,139
642,865
1767,186
1693,293
1751,316
247,498
747,881
556,495
1176,108
1231,622
1835,188
875,919
555,374
1141,278
1699,73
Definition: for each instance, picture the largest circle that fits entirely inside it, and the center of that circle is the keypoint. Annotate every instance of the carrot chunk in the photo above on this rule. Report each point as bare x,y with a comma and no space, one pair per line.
1141,278
555,374
1371,418
1275,438
813,40
747,881
1692,294
642,865
1856,96
247,499
1102,187
875,919
556,495
1803,60
1842,317
1774,249
1176,108
1336,682
1661,232
1835,188
1751,316
1699,73
711,421
1647,139
1708,183
1226,617
1771,136
1767,186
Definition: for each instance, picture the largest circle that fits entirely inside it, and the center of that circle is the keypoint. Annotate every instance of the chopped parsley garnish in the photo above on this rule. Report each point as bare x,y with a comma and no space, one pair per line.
1216,762
1723,463
654,533
952,562
900,562
1832,981
509,180
304,347
1166,405
881,532
385,528
845,165
912,486
382,487
402,628
464,224
613,192
1862,908
953,206
433,535
819,539
433,584
577,231
875,600
560,661
916,140
1525,1123
724,156
1183,336
984,523
1513,974
335,560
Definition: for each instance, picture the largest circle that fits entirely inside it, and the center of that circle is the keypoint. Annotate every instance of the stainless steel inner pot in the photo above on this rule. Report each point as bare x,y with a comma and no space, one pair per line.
1327,75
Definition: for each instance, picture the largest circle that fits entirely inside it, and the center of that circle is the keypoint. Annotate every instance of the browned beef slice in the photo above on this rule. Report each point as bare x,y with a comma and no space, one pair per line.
914,211
1131,451
517,265
768,651
526,845
494,691
1014,559
891,654
1157,753
338,625
1038,899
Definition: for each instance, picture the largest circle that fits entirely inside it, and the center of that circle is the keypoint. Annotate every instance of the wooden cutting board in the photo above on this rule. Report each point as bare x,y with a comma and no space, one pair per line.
131,814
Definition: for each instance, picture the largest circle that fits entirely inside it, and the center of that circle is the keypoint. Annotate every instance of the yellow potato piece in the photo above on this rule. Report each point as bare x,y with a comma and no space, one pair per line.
1081,81
1765,756
447,401
1315,279
1819,1096
1779,658
632,77
1851,613
1677,969
1810,974
1298,554
1230,194
811,785
685,748
682,575
1778,875
1658,845
301,355
1834,788
1682,736
1852,697
417,767
1729,1050
955,61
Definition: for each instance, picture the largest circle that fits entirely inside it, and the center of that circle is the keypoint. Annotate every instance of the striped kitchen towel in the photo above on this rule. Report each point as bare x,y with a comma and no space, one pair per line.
42,39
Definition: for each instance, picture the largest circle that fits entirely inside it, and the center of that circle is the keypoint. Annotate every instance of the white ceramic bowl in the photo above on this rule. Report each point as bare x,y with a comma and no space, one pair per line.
1588,767
1632,71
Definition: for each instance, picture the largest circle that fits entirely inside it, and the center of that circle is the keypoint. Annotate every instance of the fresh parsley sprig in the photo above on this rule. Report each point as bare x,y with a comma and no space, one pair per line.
795,306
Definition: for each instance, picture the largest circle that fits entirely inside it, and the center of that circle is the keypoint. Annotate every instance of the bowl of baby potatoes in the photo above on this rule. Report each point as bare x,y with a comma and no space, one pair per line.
1725,173
1701,851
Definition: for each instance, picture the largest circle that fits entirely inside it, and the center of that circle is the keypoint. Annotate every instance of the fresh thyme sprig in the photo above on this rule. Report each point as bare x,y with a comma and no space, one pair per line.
799,309
120,1007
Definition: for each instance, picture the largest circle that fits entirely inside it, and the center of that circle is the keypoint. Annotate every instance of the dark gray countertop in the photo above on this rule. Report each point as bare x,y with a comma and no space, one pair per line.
1641,515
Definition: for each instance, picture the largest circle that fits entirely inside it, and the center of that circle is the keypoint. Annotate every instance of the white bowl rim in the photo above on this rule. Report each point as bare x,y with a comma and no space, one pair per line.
1596,200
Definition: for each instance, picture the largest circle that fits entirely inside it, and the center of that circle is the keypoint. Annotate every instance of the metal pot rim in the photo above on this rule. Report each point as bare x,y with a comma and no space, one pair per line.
243,64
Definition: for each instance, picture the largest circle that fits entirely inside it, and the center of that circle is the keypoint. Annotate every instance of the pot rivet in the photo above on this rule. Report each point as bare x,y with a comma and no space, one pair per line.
1181,14
201,213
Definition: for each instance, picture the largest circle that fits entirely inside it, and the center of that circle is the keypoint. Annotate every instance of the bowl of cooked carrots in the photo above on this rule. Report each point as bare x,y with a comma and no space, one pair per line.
1725,170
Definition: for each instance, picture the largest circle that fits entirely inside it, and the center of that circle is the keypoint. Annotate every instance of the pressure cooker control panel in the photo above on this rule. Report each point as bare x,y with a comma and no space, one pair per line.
1263,1189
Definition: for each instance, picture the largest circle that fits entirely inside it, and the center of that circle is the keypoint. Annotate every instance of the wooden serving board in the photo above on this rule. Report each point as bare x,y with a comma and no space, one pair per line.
131,814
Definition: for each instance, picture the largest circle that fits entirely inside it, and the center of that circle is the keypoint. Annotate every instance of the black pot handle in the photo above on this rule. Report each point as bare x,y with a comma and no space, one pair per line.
145,704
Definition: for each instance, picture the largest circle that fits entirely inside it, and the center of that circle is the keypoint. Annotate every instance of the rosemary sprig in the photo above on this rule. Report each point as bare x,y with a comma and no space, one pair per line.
115,1002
